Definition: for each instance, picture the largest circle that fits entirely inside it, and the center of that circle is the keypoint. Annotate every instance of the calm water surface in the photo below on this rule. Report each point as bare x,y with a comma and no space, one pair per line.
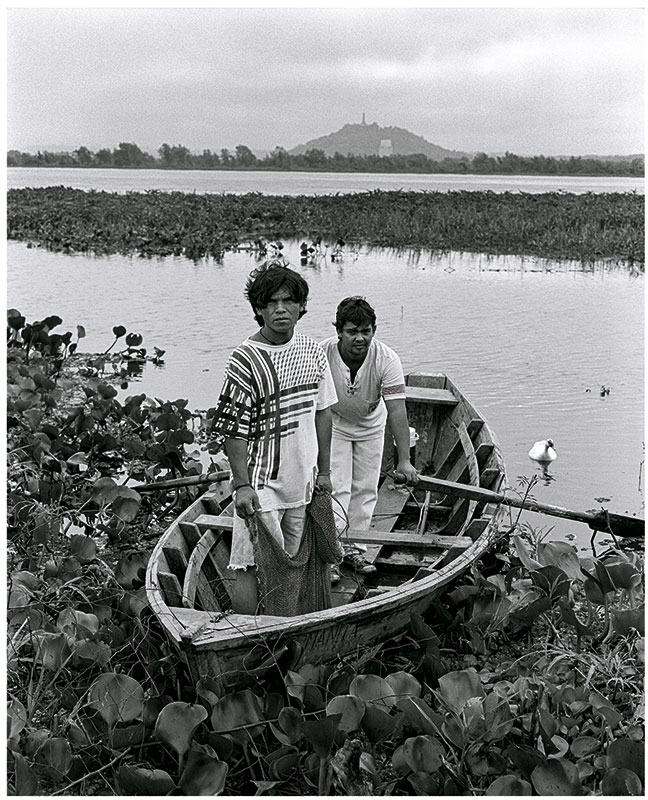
296,183
529,342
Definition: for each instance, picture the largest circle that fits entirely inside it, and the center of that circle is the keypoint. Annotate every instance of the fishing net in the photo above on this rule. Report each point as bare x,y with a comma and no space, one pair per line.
292,585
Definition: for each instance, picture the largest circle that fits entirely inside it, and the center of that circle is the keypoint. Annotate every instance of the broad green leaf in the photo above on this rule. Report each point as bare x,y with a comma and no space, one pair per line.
509,786
145,782
556,777
52,650
117,698
583,746
26,782
423,753
203,776
130,569
373,689
290,720
235,710
351,708
621,782
377,723
627,754
83,547
425,784
321,733
624,621
561,555
524,555
127,504
177,723
77,622
104,490
16,718
457,688
57,754
403,685
420,715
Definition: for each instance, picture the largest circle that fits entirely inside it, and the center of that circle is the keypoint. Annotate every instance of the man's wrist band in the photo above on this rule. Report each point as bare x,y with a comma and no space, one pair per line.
241,485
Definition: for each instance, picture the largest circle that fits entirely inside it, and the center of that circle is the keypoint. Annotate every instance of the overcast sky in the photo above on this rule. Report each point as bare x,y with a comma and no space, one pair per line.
528,80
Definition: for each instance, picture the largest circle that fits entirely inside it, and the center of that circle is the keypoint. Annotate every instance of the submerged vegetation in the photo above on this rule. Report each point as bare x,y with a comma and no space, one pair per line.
527,678
554,225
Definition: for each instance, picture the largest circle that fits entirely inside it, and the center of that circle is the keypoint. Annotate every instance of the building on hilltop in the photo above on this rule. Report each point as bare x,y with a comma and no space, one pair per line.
385,148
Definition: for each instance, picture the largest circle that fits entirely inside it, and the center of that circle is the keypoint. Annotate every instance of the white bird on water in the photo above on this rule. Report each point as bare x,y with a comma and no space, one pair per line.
543,451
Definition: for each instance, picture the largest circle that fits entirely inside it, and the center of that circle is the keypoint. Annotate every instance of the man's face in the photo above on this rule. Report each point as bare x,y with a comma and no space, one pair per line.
355,339
281,313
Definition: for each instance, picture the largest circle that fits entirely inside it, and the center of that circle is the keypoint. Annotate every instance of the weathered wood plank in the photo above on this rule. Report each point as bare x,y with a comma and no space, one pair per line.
190,532
438,397
206,522
177,561
407,538
171,588
196,582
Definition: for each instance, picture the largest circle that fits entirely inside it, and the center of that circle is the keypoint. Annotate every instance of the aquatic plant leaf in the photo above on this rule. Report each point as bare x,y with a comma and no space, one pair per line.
556,777
221,745
524,555
627,754
207,692
104,490
624,621
321,733
283,764
144,782
498,718
78,623
457,688
403,685
624,575
584,746
561,555
425,784
131,569
83,548
55,753
569,617
509,786
525,758
129,736
26,781
373,689
621,782
52,650
203,775
423,753
290,720
420,715
177,723
16,717
235,710
117,698
350,707
551,580
377,723
126,506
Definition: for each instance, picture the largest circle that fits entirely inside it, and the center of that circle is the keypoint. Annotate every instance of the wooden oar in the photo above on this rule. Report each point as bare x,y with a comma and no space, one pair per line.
617,524
191,480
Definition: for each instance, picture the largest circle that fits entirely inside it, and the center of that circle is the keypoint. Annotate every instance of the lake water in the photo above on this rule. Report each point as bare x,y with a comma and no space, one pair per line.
530,342
297,183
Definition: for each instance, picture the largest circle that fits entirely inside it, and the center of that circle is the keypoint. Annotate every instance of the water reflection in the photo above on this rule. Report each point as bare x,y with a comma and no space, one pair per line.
463,314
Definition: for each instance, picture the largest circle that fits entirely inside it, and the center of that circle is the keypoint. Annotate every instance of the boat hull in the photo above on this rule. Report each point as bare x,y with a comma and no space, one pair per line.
235,650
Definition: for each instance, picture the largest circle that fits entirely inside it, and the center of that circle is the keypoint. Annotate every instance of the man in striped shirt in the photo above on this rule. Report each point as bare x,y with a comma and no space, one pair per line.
274,412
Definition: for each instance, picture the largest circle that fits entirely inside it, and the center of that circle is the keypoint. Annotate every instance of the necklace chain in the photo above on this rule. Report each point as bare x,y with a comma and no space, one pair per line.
269,341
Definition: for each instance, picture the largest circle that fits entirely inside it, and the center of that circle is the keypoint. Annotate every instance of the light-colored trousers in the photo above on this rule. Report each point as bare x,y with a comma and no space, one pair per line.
355,470
286,526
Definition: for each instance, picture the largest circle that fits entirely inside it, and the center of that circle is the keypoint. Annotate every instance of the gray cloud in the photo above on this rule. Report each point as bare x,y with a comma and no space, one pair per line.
538,80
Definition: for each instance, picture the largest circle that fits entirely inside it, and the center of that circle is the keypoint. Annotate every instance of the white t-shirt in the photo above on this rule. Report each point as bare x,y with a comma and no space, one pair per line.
269,398
360,412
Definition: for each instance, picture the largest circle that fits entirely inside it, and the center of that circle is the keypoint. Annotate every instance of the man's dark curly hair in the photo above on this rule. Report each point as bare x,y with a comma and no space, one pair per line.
265,281
356,310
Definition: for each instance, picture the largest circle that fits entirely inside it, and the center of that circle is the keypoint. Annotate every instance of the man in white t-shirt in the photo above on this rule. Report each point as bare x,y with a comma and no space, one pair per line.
370,388
274,412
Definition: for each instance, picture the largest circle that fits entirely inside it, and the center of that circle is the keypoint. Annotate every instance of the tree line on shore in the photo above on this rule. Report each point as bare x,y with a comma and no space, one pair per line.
129,155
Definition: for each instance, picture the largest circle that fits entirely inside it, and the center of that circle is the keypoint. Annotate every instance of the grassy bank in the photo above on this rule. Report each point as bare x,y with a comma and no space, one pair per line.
526,677
586,227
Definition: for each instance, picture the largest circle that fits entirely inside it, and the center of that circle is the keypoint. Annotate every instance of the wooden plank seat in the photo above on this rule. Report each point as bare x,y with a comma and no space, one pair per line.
437,397
207,522
403,538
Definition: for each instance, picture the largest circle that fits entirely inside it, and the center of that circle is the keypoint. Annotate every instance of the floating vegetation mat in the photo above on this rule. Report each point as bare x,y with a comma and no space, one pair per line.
555,225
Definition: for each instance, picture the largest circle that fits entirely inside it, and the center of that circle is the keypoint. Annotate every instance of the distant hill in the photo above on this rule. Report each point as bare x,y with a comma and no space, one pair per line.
363,139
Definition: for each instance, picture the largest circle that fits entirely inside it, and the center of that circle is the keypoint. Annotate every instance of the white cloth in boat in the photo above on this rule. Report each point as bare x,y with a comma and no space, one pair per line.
360,412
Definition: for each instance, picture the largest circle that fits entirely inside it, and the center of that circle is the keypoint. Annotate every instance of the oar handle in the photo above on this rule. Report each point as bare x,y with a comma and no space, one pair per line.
618,524
191,480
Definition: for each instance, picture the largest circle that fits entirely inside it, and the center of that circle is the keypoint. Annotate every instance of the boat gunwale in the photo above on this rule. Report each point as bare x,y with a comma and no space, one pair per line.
393,598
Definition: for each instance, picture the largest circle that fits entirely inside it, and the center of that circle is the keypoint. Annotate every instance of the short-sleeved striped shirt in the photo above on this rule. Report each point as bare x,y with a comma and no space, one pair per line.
269,398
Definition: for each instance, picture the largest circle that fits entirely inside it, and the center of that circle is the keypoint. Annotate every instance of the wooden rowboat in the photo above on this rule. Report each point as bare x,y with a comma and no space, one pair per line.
419,541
